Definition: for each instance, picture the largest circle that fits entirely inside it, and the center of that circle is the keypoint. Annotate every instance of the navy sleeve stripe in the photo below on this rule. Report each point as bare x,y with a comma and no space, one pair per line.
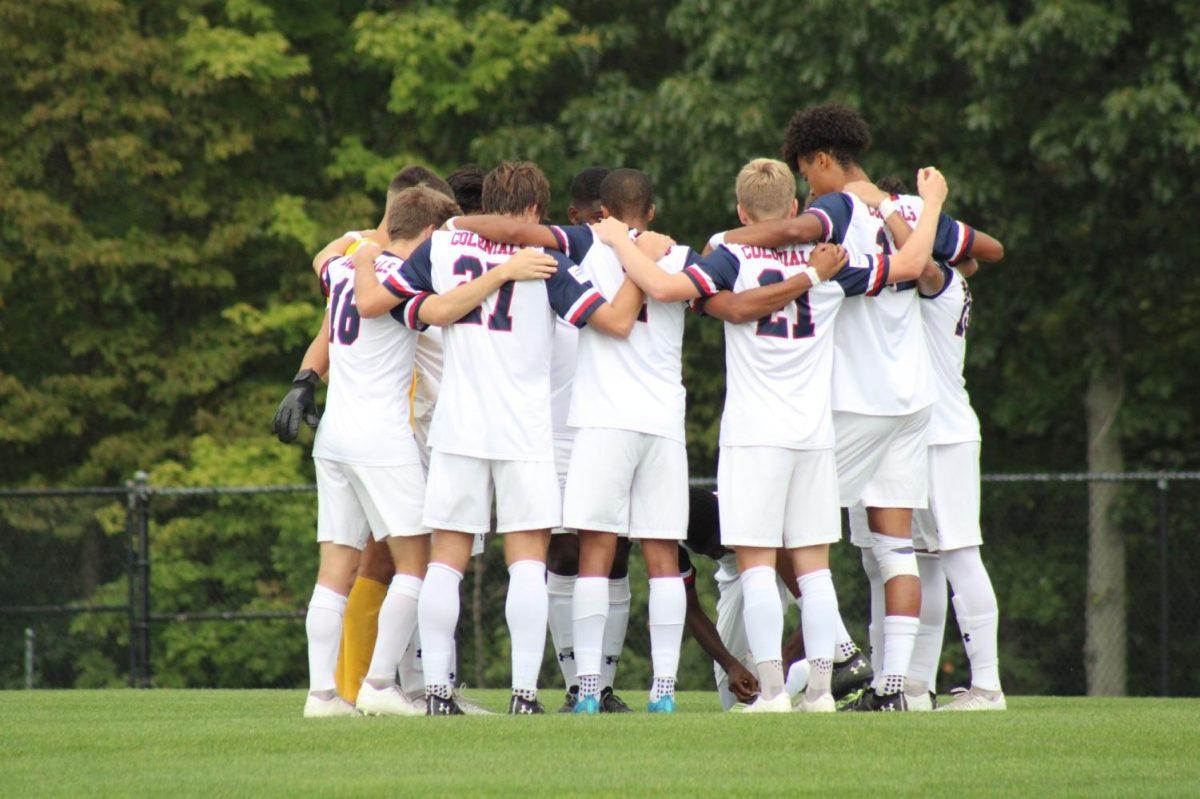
587,306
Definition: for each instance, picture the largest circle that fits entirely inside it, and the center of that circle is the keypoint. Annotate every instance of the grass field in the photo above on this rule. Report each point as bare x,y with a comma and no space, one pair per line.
254,743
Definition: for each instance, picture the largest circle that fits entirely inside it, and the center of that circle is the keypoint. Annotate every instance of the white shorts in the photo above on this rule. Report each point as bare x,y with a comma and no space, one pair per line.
629,483
952,519
459,496
881,460
562,461
731,627
356,501
777,497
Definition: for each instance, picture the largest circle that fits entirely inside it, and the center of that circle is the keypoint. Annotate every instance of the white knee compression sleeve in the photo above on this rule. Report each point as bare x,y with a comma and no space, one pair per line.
896,556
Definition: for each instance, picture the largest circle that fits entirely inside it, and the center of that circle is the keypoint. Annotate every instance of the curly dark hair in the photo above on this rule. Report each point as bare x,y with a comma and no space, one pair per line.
467,184
831,128
585,187
893,184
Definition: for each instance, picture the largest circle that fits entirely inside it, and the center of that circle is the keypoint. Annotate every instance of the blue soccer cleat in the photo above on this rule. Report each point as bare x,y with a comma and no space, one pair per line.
664,704
587,704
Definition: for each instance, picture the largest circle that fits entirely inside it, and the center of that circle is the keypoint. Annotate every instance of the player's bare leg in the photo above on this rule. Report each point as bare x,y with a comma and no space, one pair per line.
526,610
762,614
437,616
667,612
891,531
324,628
589,613
397,624
361,622
819,619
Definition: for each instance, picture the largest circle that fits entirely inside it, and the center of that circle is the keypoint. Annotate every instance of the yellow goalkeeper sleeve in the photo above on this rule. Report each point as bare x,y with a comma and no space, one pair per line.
359,626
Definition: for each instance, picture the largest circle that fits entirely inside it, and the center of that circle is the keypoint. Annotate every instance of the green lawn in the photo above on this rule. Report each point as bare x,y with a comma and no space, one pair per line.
251,743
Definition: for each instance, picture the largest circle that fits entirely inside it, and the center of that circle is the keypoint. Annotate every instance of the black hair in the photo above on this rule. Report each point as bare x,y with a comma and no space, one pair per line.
893,185
467,184
585,187
627,193
704,525
831,128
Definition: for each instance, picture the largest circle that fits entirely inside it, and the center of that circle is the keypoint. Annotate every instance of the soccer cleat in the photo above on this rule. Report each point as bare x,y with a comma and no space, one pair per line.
822,704
871,702
570,700
317,708
586,705
851,675
388,701
975,699
779,704
520,706
611,703
922,702
664,704
468,706
437,706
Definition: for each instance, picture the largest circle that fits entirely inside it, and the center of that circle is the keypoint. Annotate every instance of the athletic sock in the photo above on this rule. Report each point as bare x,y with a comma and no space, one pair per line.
324,627
525,610
589,685
762,613
878,609
437,616
666,611
615,627
360,627
397,623
662,686
978,614
797,677
561,588
899,635
846,648
818,620
927,650
412,678
820,677
589,609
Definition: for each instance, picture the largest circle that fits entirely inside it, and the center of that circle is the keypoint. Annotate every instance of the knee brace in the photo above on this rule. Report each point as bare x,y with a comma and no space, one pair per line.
896,556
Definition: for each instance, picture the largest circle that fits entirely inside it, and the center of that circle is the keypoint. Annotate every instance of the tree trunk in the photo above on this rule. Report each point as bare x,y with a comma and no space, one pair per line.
1105,649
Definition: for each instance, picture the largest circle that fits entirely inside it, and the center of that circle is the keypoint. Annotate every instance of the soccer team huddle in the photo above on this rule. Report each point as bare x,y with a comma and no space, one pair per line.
491,373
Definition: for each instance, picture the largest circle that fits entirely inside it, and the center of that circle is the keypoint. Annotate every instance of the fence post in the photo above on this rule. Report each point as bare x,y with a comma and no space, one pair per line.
1164,595
139,506
29,658
131,577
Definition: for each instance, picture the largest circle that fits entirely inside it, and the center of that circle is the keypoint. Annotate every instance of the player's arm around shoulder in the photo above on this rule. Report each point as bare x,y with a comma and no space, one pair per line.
335,249
372,297
495,227
640,261
446,309
746,306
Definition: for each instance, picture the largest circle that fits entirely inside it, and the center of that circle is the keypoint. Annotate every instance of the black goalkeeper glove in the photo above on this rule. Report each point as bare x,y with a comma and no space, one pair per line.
297,404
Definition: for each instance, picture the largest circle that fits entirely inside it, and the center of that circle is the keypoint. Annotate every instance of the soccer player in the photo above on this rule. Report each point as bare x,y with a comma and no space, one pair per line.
375,570
949,528
492,431
585,196
467,184
776,475
369,477
882,389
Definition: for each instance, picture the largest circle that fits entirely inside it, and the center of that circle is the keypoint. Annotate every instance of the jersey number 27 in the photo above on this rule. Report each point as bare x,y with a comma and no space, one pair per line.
500,318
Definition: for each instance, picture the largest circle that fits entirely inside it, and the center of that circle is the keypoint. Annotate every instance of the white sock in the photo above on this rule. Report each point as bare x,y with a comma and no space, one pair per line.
845,648
412,676
878,609
762,613
666,611
525,610
561,589
324,627
978,614
615,627
927,650
437,616
797,677
818,619
899,635
589,611
397,623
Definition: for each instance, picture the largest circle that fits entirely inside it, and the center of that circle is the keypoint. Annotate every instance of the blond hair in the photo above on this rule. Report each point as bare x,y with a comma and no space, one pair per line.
765,189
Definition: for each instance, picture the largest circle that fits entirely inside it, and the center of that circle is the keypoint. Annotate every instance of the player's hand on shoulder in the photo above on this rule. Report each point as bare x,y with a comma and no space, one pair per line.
368,248
866,191
931,185
297,405
528,264
610,229
828,259
654,245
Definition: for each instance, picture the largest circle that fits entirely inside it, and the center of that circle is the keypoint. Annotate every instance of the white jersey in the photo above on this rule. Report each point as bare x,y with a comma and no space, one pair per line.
779,369
635,383
366,419
945,317
881,366
563,360
428,377
494,400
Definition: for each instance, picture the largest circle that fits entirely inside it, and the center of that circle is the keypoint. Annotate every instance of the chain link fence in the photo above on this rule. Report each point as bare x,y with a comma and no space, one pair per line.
206,587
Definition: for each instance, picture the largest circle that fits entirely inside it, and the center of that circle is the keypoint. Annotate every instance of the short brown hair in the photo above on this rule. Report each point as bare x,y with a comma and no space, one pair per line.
515,186
765,189
414,175
417,208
